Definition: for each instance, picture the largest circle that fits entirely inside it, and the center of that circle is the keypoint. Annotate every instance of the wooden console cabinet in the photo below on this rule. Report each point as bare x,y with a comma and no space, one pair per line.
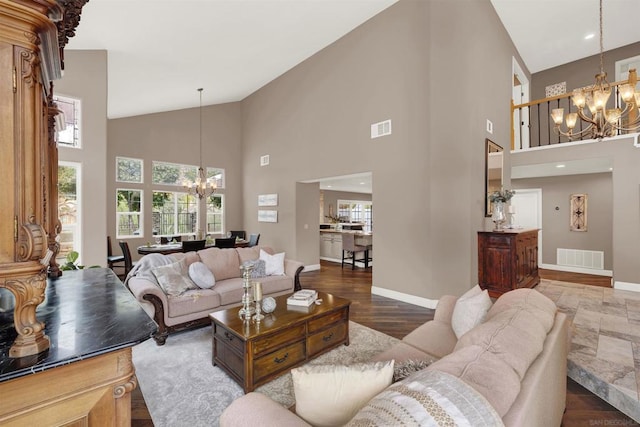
507,260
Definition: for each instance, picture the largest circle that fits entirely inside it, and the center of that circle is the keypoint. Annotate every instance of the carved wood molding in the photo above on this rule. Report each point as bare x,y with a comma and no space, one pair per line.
122,390
29,293
32,241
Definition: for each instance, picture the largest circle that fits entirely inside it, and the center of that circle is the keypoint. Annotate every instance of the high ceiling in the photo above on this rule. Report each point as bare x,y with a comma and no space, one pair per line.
161,51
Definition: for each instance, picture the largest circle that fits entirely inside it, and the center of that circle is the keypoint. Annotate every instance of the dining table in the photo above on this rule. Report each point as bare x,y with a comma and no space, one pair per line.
172,248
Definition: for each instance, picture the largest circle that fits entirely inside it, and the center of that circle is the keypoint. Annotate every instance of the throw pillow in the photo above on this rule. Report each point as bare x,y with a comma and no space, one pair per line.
259,268
470,310
408,367
328,395
201,275
274,264
174,278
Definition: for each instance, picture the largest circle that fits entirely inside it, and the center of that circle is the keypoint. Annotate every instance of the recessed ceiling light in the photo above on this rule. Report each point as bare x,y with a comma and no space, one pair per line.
362,183
589,36
328,186
560,166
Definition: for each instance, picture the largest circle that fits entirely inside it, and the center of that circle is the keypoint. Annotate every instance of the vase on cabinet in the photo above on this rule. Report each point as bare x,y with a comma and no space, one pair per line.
499,215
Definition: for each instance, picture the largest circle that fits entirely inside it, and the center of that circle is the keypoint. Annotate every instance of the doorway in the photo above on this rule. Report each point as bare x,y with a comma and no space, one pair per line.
520,95
527,207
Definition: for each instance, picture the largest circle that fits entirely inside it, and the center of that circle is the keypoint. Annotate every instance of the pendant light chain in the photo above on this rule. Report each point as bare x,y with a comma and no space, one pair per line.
601,43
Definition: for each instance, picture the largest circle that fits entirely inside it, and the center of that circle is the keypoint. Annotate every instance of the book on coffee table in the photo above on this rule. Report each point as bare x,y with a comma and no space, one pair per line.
303,298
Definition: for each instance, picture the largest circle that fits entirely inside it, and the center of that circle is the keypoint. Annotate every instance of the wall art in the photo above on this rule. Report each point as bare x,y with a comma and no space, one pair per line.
267,216
578,210
268,200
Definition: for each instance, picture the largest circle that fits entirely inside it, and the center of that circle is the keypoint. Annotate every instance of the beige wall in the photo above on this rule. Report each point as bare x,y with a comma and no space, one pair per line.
556,192
85,77
425,66
625,197
174,137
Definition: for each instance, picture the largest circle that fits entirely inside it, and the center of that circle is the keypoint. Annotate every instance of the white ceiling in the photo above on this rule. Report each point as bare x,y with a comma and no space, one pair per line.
355,183
161,51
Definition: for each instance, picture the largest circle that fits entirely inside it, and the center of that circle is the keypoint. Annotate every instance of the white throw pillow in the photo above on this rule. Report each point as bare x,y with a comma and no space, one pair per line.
329,395
470,310
274,264
201,275
174,278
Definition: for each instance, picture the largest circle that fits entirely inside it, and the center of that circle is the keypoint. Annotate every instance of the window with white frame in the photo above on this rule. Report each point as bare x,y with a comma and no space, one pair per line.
356,211
129,170
174,213
215,214
216,175
71,111
129,220
69,209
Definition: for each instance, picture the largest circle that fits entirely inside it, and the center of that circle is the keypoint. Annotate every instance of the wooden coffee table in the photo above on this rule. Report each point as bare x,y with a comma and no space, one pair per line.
255,353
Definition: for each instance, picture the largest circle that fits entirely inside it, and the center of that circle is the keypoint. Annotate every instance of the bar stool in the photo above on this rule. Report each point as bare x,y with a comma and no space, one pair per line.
349,248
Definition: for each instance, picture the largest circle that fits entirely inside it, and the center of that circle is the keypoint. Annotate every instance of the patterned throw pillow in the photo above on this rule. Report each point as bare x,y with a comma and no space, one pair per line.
404,369
174,278
259,268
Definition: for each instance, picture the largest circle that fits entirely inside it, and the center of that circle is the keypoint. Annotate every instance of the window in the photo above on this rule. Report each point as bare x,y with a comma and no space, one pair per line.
70,135
69,209
129,170
217,175
174,213
215,210
172,173
356,211
129,213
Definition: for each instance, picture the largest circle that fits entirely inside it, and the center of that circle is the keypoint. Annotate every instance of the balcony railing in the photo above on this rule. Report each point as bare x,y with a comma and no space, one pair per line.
532,125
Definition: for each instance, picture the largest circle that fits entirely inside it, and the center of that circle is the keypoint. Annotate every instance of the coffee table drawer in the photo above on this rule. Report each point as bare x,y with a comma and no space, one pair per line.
263,345
326,320
229,339
278,360
327,338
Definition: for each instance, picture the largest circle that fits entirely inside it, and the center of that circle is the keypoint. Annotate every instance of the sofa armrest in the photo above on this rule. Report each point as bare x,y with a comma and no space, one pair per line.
257,410
444,309
293,269
154,302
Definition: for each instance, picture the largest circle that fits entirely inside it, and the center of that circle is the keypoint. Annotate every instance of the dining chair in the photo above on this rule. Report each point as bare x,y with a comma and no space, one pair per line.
226,242
165,240
253,240
113,260
193,245
350,249
239,233
128,263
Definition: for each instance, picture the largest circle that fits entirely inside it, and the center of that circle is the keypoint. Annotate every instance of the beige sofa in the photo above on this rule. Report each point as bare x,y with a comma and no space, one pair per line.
192,308
518,371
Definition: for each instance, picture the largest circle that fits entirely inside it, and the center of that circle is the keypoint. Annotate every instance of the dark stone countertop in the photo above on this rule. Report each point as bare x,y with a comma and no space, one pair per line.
86,313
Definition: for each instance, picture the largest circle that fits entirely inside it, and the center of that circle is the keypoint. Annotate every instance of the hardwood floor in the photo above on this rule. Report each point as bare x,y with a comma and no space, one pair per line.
398,319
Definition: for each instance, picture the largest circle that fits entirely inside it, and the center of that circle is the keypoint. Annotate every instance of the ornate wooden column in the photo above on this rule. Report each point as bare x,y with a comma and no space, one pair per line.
29,60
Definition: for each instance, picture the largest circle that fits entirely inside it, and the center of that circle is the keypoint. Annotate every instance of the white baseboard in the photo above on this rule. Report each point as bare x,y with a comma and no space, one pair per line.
312,267
626,286
399,296
607,273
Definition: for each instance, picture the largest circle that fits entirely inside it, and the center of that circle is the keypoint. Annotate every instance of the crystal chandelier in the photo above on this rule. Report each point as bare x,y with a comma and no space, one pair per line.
201,186
601,122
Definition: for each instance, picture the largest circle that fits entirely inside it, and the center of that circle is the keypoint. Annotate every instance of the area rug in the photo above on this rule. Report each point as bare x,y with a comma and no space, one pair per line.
182,388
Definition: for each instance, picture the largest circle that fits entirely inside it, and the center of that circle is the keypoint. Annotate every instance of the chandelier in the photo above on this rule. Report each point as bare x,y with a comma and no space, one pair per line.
601,122
201,186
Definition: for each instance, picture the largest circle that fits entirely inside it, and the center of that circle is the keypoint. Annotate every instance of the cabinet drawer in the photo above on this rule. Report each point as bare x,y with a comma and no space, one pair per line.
229,339
327,320
327,338
278,360
494,240
279,339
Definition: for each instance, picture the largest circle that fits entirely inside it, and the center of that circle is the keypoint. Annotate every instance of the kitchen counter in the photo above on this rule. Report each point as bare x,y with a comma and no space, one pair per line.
331,243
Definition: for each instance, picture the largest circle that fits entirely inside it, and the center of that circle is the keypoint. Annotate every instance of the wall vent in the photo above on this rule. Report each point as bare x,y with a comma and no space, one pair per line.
381,129
264,160
580,258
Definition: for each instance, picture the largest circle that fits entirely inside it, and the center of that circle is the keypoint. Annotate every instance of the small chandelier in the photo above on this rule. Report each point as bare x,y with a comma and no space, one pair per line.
201,186
602,122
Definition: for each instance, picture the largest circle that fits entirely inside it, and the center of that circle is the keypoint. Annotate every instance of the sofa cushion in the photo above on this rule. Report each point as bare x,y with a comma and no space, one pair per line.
189,257
485,372
193,301
434,337
201,275
174,278
231,290
401,352
470,310
274,263
252,253
329,395
223,263
533,302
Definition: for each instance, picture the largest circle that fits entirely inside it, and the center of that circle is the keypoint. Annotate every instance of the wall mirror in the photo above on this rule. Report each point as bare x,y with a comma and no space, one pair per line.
492,172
